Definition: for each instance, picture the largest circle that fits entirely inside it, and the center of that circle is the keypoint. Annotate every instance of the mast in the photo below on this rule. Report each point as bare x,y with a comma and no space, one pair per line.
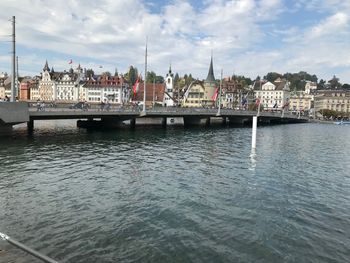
13,59
17,86
144,84
154,85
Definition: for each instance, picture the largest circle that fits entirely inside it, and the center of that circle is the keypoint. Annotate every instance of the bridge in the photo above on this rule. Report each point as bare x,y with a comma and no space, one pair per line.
12,113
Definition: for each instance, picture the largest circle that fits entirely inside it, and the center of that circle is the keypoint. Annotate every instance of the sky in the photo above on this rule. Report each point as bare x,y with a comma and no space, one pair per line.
245,37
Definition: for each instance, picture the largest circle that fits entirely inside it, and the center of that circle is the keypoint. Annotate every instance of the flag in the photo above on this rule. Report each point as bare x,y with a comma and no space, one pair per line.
70,61
135,88
215,96
257,102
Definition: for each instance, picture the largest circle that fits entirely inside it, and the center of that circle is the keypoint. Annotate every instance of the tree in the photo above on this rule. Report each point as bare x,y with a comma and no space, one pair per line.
272,76
321,85
334,83
107,73
176,79
90,73
131,76
153,78
346,86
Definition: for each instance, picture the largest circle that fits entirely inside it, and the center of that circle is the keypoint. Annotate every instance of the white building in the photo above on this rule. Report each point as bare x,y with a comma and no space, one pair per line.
274,95
169,90
104,88
68,85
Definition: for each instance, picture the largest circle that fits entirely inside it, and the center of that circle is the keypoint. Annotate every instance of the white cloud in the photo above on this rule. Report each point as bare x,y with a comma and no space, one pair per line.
332,25
246,36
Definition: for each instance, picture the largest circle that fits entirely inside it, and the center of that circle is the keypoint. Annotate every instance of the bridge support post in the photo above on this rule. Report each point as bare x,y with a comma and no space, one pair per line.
133,123
207,122
164,122
30,125
224,121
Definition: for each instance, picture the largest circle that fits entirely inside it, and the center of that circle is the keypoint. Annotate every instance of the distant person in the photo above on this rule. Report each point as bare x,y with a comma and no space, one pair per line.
7,98
108,106
102,105
42,105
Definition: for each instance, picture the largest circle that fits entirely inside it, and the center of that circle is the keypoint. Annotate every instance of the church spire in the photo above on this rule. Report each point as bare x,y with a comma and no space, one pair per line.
46,67
210,77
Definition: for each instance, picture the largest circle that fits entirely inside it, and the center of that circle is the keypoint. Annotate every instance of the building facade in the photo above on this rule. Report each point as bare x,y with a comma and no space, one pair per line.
336,100
169,90
104,88
273,95
201,93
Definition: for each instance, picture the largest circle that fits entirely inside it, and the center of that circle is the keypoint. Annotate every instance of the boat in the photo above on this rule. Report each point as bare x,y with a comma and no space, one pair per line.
342,122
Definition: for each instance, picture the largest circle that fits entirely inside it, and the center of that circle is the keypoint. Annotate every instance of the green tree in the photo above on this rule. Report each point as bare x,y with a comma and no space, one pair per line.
107,73
321,85
90,73
334,83
153,78
176,79
131,76
346,86
272,76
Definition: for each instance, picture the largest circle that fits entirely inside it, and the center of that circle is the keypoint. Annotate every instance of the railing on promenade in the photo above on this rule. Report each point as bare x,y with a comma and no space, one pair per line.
174,111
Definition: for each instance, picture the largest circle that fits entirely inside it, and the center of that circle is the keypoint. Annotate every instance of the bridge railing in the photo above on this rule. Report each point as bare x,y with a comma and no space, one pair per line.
159,110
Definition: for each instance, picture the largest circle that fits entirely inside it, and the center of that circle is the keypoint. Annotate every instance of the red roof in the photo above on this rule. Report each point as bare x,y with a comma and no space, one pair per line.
156,89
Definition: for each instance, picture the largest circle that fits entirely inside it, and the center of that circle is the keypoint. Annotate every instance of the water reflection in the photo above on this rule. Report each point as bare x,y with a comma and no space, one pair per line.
178,195
253,160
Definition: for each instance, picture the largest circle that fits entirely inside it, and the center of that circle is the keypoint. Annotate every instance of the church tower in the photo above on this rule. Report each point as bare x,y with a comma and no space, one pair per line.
169,89
209,86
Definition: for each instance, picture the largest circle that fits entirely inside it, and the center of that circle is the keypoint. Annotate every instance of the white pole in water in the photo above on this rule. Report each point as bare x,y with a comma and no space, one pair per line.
255,123
27,249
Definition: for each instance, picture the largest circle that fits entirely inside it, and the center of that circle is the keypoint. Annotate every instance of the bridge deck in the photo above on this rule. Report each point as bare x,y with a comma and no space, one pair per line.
153,113
18,112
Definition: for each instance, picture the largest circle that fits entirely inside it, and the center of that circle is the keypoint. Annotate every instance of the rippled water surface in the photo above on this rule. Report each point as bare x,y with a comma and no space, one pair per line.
177,195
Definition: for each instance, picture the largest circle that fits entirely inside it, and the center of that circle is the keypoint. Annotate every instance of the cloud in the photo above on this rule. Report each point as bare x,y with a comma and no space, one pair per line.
246,36
332,25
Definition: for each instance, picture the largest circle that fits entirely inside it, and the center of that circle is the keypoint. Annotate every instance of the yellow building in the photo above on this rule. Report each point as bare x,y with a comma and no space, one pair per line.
200,93
337,100
300,101
194,94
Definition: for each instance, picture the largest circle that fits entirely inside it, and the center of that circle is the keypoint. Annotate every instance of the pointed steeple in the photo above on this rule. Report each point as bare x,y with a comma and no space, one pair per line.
46,67
210,77
170,73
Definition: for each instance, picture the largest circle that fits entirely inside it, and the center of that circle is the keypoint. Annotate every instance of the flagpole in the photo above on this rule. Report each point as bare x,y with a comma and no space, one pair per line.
154,84
218,114
13,77
144,84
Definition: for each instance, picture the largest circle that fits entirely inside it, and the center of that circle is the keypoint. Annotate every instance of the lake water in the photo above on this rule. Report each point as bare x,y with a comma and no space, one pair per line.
176,194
